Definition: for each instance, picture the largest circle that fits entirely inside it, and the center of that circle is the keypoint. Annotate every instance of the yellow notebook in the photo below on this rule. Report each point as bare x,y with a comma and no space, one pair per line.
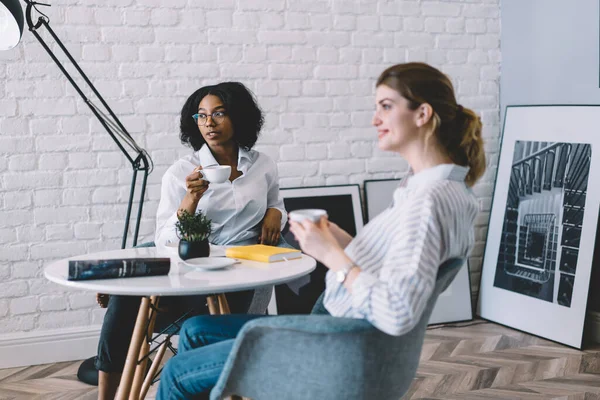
262,253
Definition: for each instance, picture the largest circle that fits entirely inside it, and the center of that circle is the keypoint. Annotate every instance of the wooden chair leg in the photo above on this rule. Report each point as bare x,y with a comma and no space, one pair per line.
140,371
213,309
223,304
152,372
134,350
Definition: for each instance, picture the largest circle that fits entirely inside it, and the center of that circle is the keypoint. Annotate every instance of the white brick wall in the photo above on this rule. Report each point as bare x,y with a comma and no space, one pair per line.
312,64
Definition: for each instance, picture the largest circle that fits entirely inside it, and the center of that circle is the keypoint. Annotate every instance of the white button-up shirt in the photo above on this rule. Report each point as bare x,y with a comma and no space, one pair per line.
399,252
235,208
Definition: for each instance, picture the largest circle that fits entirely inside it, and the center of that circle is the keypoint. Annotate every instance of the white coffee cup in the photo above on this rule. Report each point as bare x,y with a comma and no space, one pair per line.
216,173
312,214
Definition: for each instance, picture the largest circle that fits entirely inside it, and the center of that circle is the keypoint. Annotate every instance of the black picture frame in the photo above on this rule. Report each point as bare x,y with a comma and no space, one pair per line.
344,207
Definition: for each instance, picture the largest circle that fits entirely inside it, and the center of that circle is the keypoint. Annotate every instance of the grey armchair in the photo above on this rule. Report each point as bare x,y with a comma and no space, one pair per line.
323,357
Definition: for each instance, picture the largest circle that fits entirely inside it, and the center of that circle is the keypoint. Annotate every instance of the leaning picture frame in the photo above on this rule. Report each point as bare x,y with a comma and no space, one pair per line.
543,222
344,207
455,303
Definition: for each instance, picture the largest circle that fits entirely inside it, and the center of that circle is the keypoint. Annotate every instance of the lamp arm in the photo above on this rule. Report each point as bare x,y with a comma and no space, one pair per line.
138,157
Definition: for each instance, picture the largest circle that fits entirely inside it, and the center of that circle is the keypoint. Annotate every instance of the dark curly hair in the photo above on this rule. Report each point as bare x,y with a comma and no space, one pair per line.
245,114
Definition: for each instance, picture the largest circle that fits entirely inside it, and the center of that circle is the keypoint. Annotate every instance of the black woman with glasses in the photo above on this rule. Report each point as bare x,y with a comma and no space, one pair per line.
221,123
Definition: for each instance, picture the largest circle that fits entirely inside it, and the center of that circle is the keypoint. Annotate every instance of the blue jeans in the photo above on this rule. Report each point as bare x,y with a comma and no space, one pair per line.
204,345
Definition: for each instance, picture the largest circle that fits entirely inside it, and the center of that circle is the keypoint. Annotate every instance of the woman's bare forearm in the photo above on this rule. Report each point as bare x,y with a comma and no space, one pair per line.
341,236
189,204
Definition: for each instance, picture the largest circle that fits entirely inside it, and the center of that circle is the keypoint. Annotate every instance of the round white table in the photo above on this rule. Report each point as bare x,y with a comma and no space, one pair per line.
182,280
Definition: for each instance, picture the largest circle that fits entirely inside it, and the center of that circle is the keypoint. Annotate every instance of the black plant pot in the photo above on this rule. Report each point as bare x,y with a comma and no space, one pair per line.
193,249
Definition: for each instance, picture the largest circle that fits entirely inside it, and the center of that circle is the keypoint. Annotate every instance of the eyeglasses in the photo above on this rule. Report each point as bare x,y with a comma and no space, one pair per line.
217,117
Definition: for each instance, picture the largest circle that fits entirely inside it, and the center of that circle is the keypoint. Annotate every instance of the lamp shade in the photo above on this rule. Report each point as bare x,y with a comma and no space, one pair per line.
11,23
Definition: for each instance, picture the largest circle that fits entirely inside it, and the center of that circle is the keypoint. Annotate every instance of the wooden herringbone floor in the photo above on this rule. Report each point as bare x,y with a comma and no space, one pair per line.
478,361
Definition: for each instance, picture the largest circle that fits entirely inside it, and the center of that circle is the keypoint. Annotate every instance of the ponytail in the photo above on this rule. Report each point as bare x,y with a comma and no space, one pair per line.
470,148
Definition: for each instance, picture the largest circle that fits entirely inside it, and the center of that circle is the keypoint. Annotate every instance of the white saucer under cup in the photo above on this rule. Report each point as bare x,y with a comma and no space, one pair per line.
209,262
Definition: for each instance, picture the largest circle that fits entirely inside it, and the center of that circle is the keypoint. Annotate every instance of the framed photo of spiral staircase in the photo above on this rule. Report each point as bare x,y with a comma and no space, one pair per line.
543,222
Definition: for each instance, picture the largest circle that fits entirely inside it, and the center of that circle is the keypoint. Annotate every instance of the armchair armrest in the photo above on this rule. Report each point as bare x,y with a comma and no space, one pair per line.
317,324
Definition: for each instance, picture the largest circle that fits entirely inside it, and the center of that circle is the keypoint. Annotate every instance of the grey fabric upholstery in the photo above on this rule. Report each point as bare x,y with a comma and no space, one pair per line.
146,244
318,356
260,300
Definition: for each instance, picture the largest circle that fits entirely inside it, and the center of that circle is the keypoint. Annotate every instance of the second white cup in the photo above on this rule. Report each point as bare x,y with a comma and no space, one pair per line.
313,214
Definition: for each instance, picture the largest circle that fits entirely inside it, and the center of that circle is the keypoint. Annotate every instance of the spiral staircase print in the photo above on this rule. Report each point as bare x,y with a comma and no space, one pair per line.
543,219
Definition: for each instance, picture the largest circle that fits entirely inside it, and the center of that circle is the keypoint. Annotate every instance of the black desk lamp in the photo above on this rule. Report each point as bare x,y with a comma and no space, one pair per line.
11,24
11,30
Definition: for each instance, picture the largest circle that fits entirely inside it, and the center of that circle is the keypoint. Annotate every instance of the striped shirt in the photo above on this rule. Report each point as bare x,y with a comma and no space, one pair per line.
399,252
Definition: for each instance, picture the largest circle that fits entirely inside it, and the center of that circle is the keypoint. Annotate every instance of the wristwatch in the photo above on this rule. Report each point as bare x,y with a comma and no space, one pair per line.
342,274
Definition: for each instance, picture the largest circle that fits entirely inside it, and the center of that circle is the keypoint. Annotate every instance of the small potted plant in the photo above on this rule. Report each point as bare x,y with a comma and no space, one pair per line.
193,231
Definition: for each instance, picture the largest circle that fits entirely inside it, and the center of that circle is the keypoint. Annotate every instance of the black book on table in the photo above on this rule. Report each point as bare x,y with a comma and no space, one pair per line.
117,268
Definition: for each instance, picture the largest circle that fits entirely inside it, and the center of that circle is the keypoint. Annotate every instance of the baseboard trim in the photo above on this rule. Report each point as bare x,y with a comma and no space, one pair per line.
49,346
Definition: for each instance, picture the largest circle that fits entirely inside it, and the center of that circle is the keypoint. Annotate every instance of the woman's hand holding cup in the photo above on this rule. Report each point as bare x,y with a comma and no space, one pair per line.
311,229
195,185
197,182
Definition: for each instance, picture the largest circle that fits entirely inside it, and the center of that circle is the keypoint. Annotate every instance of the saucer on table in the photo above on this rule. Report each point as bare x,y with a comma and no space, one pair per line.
209,262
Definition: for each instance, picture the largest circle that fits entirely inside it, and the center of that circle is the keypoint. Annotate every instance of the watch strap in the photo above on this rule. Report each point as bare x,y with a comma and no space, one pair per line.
346,270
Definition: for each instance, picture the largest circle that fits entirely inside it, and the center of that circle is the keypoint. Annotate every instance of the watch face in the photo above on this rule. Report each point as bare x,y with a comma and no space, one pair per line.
341,276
